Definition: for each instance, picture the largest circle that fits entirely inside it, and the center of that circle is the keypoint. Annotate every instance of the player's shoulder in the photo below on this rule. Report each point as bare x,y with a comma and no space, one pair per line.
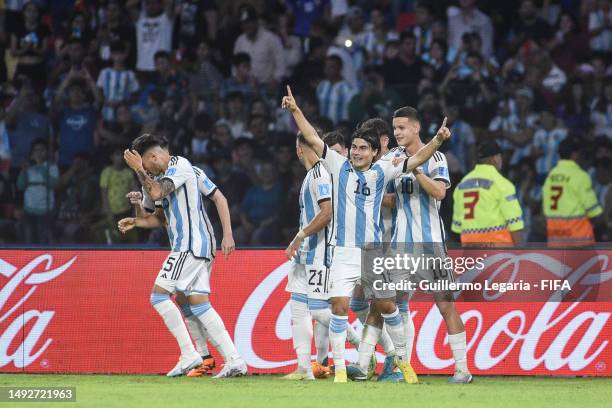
179,161
319,171
393,153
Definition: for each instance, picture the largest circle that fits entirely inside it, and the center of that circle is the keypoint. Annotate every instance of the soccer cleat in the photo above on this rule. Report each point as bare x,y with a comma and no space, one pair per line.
355,373
236,368
299,376
372,366
460,377
388,373
409,375
208,363
340,376
184,365
320,371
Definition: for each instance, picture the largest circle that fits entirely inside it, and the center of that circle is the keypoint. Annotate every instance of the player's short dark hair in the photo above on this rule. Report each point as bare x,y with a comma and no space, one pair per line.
380,125
568,147
334,137
241,58
369,135
407,112
146,141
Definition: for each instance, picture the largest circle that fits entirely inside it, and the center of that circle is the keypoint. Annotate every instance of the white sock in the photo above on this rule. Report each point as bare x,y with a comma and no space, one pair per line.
408,325
301,330
370,337
172,318
361,308
215,328
458,345
324,317
337,336
395,328
321,336
196,330
386,342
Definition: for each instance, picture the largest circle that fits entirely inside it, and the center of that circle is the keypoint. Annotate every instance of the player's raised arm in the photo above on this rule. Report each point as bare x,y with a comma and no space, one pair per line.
156,189
310,134
429,149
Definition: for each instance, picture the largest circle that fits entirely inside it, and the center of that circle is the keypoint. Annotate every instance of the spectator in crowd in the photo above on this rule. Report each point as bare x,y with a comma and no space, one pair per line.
260,208
264,48
529,26
568,44
334,93
77,116
202,125
204,76
462,145
574,107
423,16
601,112
37,180
470,19
79,189
241,79
377,36
116,181
25,124
375,98
116,27
117,83
29,45
405,68
235,113
600,27
546,140
118,134
154,25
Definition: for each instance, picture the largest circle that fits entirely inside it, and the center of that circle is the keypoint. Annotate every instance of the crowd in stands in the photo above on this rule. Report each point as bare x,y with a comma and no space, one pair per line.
80,79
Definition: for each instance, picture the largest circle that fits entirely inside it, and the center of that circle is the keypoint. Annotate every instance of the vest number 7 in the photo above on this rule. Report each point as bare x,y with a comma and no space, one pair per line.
555,196
474,196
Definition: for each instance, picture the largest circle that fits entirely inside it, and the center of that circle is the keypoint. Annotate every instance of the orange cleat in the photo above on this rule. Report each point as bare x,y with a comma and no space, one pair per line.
320,371
208,363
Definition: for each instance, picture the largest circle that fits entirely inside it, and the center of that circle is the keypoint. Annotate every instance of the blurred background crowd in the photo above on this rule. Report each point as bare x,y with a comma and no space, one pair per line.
82,78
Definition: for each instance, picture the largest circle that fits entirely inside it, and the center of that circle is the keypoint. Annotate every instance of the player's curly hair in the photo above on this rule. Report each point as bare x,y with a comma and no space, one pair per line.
148,140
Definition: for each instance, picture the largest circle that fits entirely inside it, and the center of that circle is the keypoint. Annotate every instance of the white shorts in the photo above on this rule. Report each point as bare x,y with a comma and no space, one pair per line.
182,272
310,280
345,271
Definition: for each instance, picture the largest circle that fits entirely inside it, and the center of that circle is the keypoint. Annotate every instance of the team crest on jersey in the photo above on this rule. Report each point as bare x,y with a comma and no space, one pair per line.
324,189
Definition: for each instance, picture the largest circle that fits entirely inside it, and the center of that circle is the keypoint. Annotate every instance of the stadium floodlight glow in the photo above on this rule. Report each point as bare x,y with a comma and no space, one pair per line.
348,43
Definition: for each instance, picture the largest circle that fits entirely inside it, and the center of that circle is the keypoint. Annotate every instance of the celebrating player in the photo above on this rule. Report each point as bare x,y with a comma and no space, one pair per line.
358,198
417,201
187,267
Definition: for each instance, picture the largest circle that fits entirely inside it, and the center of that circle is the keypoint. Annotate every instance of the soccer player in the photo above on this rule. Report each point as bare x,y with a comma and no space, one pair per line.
417,200
485,208
357,196
569,202
308,279
187,267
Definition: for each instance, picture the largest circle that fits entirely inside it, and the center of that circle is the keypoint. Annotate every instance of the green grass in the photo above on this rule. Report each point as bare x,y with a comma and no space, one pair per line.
269,391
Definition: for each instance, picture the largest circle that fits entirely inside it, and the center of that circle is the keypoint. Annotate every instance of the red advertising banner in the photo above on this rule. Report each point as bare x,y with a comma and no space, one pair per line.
74,311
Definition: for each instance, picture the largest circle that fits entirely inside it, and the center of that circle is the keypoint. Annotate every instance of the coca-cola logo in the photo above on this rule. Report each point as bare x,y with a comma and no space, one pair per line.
534,336
15,318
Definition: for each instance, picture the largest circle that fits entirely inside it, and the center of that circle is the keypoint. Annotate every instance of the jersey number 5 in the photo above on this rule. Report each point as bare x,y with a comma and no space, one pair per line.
555,196
469,205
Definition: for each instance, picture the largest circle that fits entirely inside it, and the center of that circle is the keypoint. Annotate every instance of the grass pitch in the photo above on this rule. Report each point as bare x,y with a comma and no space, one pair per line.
112,391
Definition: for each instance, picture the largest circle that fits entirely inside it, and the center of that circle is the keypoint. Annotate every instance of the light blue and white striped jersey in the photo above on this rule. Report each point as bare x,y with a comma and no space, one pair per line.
316,188
388,216
334,99
418,219
357,199
116,86
548,142
512,124
188,225
463,138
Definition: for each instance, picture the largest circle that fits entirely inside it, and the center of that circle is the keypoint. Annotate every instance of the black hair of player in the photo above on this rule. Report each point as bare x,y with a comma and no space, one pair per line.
407,112
334,137
568,147
370,135
380,125
147,141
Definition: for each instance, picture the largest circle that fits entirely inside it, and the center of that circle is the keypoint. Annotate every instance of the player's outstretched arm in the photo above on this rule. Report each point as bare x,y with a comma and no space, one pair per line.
156,189
320,221
434,188
227,243
429,149
156,220
309,132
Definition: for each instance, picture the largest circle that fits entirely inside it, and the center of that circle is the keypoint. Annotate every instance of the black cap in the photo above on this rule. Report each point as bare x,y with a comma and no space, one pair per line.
488,148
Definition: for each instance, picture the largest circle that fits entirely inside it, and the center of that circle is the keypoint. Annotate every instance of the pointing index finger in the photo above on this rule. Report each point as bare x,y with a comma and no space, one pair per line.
444,122
289,91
